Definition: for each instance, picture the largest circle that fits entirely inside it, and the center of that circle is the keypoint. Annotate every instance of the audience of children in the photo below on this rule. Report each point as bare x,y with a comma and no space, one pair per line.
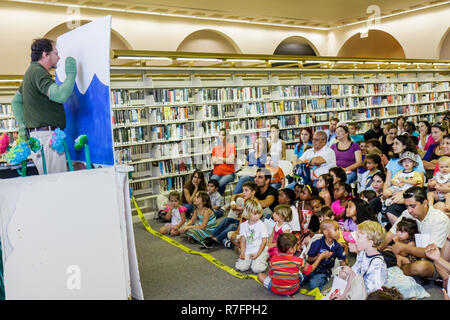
300,240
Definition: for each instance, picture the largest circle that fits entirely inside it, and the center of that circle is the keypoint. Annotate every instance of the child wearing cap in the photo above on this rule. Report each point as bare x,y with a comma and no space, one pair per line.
407,177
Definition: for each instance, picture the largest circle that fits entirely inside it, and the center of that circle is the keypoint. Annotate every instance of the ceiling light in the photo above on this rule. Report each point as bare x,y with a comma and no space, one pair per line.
144,58
287,61
349,61
10,80
394,62
199,59
316,61
245,60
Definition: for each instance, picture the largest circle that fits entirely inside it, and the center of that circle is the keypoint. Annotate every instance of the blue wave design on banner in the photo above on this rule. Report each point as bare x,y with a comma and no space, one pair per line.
90,114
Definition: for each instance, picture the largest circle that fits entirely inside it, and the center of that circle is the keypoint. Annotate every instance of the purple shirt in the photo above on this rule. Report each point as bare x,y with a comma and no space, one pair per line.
345,158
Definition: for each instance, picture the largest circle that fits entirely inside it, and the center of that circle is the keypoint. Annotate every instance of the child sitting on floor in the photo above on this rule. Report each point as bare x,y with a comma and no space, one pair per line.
327,244
369,263
253,240
282,215
342,192
202,222
286,270
406,229
176,214
215,197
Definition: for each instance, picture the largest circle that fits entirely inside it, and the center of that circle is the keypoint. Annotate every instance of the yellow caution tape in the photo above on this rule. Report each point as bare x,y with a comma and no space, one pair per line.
316,292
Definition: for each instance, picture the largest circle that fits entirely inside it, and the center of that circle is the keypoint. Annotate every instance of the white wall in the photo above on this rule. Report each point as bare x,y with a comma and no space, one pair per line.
420,34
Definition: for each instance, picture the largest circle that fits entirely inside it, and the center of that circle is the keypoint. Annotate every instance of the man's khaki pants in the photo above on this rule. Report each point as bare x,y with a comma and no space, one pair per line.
54,161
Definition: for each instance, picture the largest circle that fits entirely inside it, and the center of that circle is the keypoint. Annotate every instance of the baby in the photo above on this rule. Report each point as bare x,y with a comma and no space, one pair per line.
440,179
406,178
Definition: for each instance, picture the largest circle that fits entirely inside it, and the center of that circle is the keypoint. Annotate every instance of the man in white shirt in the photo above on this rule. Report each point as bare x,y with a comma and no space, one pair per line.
320,157
430,221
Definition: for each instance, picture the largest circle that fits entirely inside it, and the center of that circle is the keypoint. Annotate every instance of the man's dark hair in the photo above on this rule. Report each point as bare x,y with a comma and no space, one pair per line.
266,172
40,46
418,193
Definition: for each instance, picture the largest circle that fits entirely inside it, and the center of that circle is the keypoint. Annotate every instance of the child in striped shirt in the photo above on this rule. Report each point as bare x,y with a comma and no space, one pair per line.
286,270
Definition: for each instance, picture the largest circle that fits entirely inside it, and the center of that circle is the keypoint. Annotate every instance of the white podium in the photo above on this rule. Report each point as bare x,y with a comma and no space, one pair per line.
69,236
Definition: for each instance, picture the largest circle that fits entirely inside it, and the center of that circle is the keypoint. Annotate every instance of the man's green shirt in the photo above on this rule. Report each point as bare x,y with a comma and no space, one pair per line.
38,109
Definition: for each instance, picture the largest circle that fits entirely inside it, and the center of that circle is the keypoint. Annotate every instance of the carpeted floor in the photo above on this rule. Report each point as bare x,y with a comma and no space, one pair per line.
168,273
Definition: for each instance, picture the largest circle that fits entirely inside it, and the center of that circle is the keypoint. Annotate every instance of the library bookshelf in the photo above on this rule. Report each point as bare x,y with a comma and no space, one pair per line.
167,107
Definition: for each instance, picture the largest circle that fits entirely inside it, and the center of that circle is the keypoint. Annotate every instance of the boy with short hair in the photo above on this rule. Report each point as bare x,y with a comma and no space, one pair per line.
286,271
231,222
327,244
352,127
215,197
370,262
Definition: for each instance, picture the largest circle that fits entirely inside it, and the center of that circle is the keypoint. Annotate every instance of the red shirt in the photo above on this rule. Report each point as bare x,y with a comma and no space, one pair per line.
224,168
284,271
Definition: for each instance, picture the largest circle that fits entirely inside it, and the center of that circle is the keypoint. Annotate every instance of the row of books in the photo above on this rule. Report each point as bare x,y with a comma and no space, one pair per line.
125,97
235,94
130,135
8,124
5,110
129,116
165,114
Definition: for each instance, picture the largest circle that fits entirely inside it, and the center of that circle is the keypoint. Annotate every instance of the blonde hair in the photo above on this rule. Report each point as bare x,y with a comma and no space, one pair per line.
329,223
252,206
374,231
444,159
284,211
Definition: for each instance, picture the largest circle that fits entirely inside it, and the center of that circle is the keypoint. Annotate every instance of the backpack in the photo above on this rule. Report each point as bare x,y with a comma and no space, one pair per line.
302,174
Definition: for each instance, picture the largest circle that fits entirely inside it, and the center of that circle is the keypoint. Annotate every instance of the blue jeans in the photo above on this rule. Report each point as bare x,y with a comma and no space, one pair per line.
276,185
316,280
351,177
223,181
240,183
218,213
189,208
227,225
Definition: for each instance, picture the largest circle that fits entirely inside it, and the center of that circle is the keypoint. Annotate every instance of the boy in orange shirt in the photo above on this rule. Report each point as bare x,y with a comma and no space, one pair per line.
277,180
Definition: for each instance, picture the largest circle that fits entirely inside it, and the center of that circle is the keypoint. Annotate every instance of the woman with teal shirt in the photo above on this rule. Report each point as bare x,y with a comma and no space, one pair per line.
304,143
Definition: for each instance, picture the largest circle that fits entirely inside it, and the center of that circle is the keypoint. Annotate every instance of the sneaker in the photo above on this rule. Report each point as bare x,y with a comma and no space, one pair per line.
206,244
228,244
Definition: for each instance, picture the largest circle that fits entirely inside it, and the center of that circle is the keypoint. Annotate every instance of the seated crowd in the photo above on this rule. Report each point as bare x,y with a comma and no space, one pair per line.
382,197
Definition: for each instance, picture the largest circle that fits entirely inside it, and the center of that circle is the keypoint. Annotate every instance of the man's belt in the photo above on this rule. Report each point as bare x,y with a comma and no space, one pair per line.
47,128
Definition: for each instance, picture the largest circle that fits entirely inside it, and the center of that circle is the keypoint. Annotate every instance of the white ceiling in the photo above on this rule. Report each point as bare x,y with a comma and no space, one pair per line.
316,13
